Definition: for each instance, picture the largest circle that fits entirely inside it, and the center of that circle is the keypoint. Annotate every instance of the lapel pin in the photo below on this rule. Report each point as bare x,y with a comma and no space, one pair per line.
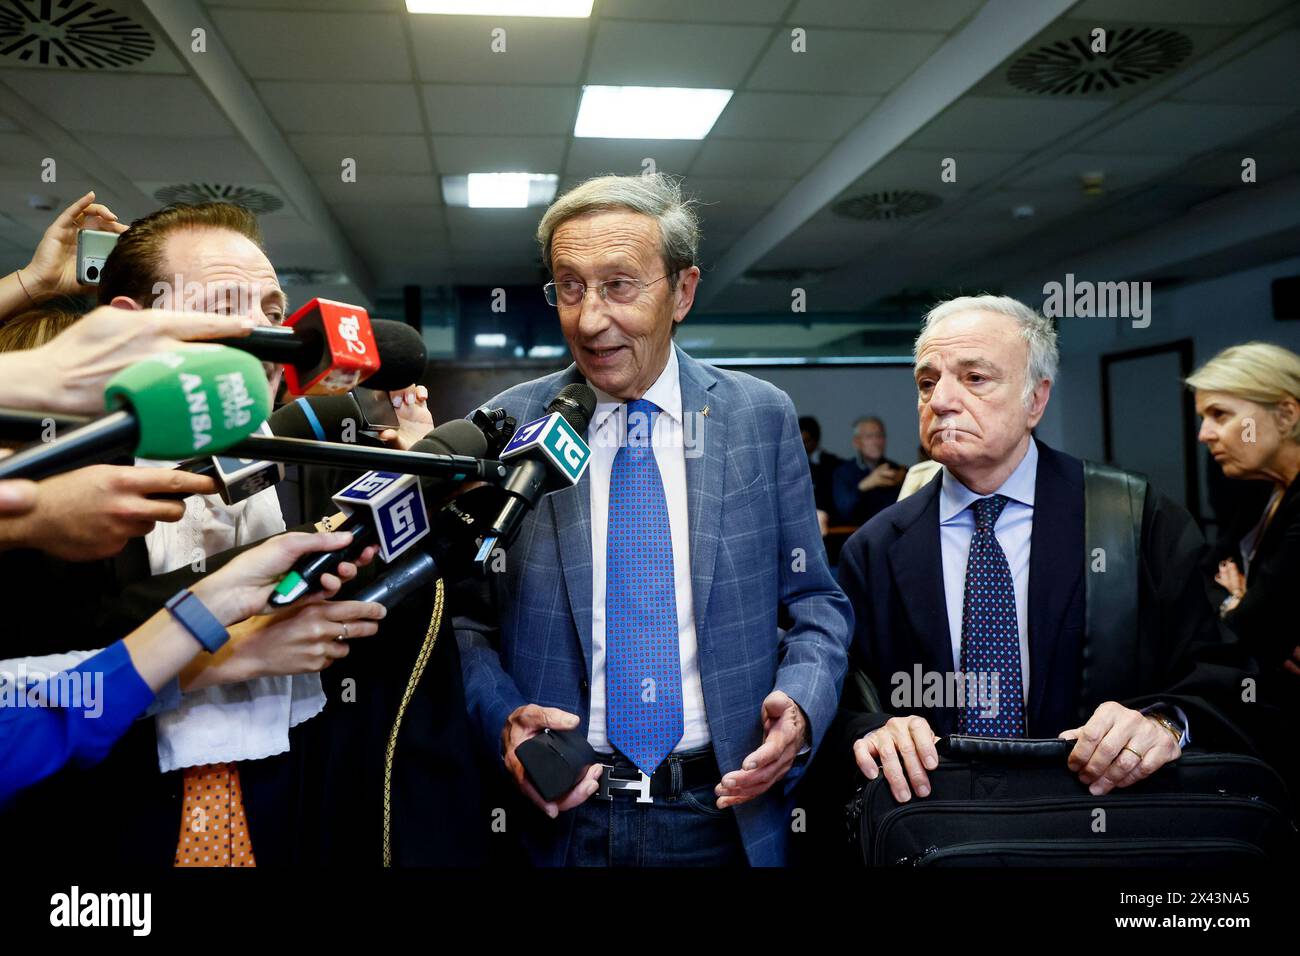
705,411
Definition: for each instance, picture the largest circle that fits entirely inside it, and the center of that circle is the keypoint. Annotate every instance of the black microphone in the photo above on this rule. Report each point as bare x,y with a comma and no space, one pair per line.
447,552
321,417
547,454
386,508
403,357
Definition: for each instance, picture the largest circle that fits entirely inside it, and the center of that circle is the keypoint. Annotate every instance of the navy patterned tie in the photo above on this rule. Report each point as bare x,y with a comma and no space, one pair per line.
990,640
643,673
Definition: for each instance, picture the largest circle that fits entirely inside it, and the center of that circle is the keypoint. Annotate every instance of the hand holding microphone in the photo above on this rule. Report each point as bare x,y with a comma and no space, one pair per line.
168,405
91,513
328,348
68,374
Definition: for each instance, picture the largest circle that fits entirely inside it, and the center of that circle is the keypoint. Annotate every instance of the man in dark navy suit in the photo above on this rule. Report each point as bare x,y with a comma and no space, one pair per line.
981,573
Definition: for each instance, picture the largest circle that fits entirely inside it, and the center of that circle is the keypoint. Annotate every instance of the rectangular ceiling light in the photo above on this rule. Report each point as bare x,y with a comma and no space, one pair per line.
499,190
503,8
648,112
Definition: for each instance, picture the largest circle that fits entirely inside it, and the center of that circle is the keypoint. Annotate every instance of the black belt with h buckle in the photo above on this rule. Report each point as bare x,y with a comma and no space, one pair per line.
685,771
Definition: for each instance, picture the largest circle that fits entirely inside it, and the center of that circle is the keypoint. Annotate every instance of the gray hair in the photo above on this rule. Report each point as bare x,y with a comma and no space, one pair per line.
1038,333
657,195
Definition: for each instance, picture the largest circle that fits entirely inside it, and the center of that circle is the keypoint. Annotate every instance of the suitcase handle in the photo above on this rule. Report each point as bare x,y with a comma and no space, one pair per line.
1005,749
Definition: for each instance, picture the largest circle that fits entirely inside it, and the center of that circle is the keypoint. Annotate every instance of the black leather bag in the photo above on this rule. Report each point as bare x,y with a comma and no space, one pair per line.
1005,802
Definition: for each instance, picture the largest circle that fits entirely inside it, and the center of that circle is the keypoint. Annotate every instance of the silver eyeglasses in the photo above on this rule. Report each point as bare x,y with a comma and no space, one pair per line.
622,291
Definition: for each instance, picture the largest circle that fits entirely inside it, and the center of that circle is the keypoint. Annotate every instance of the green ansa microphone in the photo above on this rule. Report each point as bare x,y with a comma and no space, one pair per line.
198,400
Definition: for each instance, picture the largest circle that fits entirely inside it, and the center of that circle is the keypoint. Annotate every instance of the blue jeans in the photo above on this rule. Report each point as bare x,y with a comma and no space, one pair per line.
687,829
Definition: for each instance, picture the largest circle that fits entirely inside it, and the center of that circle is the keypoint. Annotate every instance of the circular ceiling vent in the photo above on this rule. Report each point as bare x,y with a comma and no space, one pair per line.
71,33
254,200
1133,55
887,204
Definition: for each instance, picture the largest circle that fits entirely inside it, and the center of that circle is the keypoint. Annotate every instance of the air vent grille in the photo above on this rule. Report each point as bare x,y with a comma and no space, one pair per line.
254,200
71,33
887,204
1069,67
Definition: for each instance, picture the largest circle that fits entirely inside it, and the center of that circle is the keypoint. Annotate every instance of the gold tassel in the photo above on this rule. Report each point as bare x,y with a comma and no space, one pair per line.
421,661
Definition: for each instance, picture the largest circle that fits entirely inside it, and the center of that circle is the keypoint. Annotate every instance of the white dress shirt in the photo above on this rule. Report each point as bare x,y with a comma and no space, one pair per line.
227,722
1013,530
607,431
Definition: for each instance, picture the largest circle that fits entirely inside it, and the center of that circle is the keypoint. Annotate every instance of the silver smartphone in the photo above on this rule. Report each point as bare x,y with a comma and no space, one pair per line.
93,247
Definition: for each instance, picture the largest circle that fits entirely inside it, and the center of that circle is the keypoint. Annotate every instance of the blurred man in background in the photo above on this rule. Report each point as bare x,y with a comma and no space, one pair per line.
868,482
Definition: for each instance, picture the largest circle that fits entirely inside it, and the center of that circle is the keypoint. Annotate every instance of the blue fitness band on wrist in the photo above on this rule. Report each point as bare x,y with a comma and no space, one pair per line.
195,617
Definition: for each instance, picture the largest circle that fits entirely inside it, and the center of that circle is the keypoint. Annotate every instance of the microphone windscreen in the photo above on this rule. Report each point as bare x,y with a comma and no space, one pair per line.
403,357
456,437
318,418
576,403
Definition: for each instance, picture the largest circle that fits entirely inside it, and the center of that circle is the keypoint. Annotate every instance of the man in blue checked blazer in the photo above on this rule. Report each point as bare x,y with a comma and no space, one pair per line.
674,607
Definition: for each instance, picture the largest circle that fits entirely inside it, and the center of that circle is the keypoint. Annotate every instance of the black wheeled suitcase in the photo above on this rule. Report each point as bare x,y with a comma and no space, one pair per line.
1002,802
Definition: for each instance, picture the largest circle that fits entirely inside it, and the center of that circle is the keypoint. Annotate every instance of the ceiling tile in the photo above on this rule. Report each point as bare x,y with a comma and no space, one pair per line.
424,223
1211,12
461,49
884,14
1265,74
325,152
740,191
176,104
1005,122
21,156
673,54
278,45
380,189
379,6
843,61
922,169
728,219
523,110
342,107
791,115
827,240
1185,127
718,11
627,157
1223,168
227,160
777,159
1121,170
505,232
501,154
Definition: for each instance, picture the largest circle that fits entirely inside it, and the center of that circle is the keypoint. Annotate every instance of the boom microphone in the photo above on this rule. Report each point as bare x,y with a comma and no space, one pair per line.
204,398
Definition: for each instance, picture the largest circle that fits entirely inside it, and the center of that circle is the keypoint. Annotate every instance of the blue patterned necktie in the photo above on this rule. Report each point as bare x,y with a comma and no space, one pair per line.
643,673
990,639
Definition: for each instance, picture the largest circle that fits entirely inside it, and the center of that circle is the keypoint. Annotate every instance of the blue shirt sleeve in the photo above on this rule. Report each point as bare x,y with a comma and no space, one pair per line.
74,716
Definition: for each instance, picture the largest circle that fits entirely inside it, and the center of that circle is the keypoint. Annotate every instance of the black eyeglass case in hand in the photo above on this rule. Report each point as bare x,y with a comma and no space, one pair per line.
555,760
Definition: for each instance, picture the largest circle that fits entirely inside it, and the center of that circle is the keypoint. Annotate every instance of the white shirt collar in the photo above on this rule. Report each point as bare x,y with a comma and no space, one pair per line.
954,497
666,393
